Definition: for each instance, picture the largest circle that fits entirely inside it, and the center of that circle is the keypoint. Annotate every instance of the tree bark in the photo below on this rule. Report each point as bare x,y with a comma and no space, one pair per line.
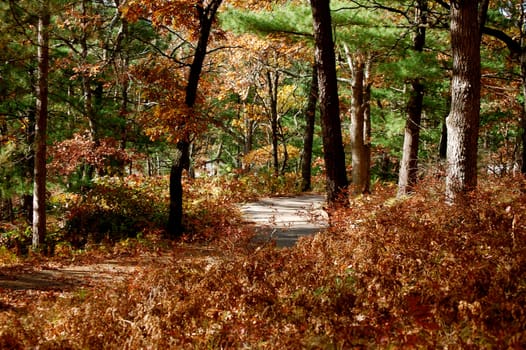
442,147
181,162
409,164
207,13
523,76
367,127
360,130
358,150
248,141
308,136
86,79
464,117
39,184
273,82
523,134
334,155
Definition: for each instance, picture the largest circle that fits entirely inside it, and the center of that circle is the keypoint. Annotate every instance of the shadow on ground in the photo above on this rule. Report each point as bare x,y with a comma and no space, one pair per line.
64,278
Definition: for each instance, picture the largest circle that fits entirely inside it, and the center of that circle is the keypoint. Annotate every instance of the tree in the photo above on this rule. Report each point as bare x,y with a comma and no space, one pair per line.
18,86
334,155
360,67
95,47
467,20
308,137
187,21
289,24
39,193
514,14
407,176
206,16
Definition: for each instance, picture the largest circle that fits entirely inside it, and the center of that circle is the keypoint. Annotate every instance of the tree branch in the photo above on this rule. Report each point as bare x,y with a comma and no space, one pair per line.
512,45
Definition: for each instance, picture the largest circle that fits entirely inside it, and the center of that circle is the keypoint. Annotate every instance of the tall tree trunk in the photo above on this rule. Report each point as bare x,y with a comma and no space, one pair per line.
523,76
367,126
409,164
248,141
334,155
360,130
39,186
273,82
523,124
181,162
359,163
464,117
442,148
87,93
124,81
407,176
29,164
86,78
308,136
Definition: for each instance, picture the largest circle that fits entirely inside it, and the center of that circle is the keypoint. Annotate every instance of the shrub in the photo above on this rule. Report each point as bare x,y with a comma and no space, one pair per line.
432,275
116,208
16,238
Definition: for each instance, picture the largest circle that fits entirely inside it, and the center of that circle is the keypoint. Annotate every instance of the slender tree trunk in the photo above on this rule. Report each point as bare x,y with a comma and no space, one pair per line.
248,141
442,148
523,116
87,93
367,126
29,164
334,155
86,79
523,133
124,82
273,82
207,13
180,162
464,117
409,164
285,162
360,130
359,163
39,187
308,136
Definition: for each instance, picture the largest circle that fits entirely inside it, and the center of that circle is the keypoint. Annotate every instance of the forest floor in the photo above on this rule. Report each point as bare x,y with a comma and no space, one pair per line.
281,219
389,273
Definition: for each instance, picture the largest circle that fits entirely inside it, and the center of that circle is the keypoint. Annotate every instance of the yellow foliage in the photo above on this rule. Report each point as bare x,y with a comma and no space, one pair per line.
263,155
287,98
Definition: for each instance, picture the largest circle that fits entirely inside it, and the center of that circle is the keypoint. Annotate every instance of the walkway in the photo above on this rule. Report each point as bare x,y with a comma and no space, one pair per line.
285,219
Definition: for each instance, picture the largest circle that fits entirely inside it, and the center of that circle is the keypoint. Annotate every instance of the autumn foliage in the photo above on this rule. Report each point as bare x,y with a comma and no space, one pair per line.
80,150
390,273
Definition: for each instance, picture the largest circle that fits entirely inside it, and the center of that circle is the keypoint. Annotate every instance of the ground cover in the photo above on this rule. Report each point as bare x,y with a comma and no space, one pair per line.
389,273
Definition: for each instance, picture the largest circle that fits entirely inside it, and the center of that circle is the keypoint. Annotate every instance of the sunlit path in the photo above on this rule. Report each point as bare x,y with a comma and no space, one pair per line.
285,219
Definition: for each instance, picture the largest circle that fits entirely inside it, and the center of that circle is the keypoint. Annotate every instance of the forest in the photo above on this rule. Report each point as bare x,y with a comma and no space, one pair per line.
131,132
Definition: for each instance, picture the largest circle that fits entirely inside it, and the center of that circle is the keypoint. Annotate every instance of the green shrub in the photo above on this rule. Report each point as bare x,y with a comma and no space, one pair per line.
15,238
117,208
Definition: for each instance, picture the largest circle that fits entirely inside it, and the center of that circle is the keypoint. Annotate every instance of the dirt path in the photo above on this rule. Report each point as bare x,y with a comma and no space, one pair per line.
66,277
285,219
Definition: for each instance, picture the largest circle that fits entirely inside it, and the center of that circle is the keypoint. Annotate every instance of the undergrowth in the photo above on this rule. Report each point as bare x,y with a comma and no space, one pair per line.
390,273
